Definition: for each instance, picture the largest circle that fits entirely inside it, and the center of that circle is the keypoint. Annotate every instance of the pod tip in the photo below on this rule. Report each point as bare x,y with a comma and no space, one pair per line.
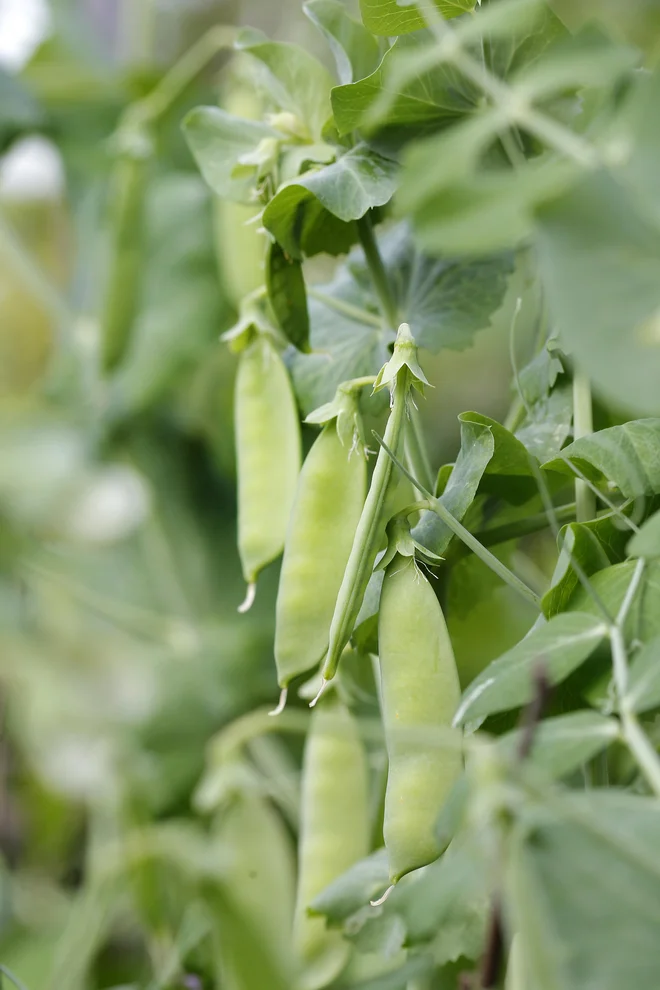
381,900
319,693
281,703
248,601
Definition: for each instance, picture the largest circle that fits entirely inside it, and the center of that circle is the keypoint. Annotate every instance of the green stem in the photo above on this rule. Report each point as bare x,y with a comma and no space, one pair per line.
583,425
377,271
435,505
416,452
346,309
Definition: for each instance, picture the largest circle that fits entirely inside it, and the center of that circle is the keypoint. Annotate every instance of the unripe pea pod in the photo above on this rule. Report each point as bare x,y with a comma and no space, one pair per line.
268,456
420,693
400,374
329,499
334,834
124,277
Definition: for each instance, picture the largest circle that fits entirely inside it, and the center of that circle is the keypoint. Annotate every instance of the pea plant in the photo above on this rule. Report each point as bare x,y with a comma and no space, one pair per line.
511,835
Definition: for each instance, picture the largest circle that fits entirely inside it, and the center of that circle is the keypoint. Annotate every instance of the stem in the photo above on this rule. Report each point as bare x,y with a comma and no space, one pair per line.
495,535
377,271
345,308
583,425
435,505
416,452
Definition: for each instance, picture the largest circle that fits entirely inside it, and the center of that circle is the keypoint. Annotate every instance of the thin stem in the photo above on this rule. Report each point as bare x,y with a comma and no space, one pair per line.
416,452
523,527
641,748
583,425
464,534
377,271
345,308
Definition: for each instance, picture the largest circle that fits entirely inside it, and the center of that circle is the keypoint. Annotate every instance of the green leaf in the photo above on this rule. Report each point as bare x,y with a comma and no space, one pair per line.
388,17
356,52
627,456
445,304
416,968
354,889
583,889
296,81
548,406
287,296
509,473
358,181
477,448
430,100
218,141
562,744
577,543
644,677
19,111
646,543
611,585
599,261
561,645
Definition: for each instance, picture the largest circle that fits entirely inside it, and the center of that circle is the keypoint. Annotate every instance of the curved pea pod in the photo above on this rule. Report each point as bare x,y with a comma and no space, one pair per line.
334,834
420,694
268,455
124,275
240,248
401,373
329,499
260,872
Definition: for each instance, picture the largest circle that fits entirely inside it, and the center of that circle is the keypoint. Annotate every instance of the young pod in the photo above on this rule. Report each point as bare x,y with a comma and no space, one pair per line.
268,456
124,279
329,499
334,834
400,375
420,693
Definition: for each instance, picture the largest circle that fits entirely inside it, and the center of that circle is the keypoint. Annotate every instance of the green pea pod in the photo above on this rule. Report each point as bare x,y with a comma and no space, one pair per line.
329,499
401,373
259,873
420,694
124,278
268,456
334,834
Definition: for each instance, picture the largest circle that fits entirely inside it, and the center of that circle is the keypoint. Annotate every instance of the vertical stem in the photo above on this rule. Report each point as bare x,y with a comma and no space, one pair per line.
377,271
583,424
416,452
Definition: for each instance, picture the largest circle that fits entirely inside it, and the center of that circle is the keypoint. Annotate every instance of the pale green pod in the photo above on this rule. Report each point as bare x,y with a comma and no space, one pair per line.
259,872
334,834
329,499
268,455
420,694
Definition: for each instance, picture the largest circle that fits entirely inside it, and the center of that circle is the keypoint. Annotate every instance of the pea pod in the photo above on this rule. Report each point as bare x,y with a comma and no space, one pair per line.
334,834
268,455
122,290
401,373
329,499
420,694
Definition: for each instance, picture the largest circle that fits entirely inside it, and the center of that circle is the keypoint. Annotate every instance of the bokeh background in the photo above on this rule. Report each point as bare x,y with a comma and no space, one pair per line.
121,652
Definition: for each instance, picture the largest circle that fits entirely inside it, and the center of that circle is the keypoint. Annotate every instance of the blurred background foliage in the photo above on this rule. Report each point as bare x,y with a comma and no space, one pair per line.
121,653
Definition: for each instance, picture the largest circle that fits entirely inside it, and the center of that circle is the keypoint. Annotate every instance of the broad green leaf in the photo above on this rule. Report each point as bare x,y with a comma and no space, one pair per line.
646,543
600,261
583,890
218,141
577,543
509,473
636,20
611,585
388,17
548,406
445,303
477,448
559,646
417,968
644,677
297,82
636,130
358,181
428,101
356,52
288,299
564,743
628,456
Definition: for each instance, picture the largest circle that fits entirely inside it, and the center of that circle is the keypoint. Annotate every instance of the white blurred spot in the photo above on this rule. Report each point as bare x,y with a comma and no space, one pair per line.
23,25
32,169
109,506
78,765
